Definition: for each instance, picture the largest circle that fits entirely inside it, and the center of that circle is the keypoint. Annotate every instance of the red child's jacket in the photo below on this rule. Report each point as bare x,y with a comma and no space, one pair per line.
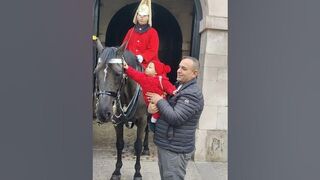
151,84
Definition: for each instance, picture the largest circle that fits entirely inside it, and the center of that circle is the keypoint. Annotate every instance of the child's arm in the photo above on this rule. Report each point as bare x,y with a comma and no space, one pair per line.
125,65
137,76
168,87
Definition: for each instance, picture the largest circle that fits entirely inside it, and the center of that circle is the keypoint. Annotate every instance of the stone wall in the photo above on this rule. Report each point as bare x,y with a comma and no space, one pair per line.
212,133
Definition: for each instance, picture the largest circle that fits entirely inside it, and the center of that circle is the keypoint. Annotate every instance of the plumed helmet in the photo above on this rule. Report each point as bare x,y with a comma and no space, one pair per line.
144,9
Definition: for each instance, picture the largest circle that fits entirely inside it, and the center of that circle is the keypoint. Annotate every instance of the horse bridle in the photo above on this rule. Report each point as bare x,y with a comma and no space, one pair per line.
116,93
125,114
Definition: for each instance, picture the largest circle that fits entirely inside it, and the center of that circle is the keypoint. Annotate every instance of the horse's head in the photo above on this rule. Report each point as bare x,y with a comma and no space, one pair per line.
110,80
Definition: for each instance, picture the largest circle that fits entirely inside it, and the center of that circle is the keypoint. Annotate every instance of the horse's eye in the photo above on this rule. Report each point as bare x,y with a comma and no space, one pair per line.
117,74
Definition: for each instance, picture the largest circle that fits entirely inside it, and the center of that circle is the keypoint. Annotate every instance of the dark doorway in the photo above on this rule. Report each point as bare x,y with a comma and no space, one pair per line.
163,21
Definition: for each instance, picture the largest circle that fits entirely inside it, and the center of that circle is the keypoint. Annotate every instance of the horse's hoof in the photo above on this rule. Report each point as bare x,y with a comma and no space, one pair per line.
115,177
137,178
145,153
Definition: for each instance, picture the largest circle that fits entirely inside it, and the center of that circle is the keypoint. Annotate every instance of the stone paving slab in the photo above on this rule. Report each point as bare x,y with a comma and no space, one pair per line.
104,159
103,166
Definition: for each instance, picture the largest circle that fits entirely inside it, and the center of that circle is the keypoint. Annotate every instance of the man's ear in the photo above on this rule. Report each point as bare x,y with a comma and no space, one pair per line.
196,73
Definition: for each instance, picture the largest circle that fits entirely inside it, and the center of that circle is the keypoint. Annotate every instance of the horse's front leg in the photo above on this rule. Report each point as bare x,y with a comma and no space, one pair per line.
116,175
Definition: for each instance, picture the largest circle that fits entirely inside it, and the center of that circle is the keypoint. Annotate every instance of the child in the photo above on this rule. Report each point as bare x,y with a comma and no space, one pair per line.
154,80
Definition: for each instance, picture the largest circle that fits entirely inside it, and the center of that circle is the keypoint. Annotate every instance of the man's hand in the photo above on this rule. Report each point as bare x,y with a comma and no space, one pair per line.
152,108
153,97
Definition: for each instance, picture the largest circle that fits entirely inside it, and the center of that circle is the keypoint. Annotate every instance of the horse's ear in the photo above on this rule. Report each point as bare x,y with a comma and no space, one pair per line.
99,45
121,49
123,46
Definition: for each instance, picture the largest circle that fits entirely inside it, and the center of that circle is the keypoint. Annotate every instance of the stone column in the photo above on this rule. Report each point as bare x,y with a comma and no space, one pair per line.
211,142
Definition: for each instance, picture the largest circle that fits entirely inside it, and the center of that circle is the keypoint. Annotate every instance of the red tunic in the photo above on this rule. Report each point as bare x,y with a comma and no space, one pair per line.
145,44
151,84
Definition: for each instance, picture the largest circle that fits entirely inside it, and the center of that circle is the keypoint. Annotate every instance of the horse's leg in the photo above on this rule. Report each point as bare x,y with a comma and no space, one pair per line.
141,125
116,175
146,139
138,149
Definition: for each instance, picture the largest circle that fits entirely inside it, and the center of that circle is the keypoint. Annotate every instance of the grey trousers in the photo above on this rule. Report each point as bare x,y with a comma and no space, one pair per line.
172,165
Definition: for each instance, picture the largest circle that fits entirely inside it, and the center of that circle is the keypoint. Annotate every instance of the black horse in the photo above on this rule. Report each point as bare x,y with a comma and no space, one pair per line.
119,100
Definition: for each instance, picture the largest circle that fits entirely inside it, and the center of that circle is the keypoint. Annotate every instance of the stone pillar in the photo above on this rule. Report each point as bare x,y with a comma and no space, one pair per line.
211,142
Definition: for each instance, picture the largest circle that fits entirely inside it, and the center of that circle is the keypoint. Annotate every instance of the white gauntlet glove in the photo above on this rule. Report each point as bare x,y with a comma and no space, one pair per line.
140,58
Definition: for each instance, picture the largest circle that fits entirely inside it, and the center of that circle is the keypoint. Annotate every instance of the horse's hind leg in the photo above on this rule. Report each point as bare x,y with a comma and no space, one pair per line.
138,148
116,175
146,140
146,150
137,166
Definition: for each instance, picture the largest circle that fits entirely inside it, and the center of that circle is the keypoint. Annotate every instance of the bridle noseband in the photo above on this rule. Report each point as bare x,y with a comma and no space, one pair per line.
108,93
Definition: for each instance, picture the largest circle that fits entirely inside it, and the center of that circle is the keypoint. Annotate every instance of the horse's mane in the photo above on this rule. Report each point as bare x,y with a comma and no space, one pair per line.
131,59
